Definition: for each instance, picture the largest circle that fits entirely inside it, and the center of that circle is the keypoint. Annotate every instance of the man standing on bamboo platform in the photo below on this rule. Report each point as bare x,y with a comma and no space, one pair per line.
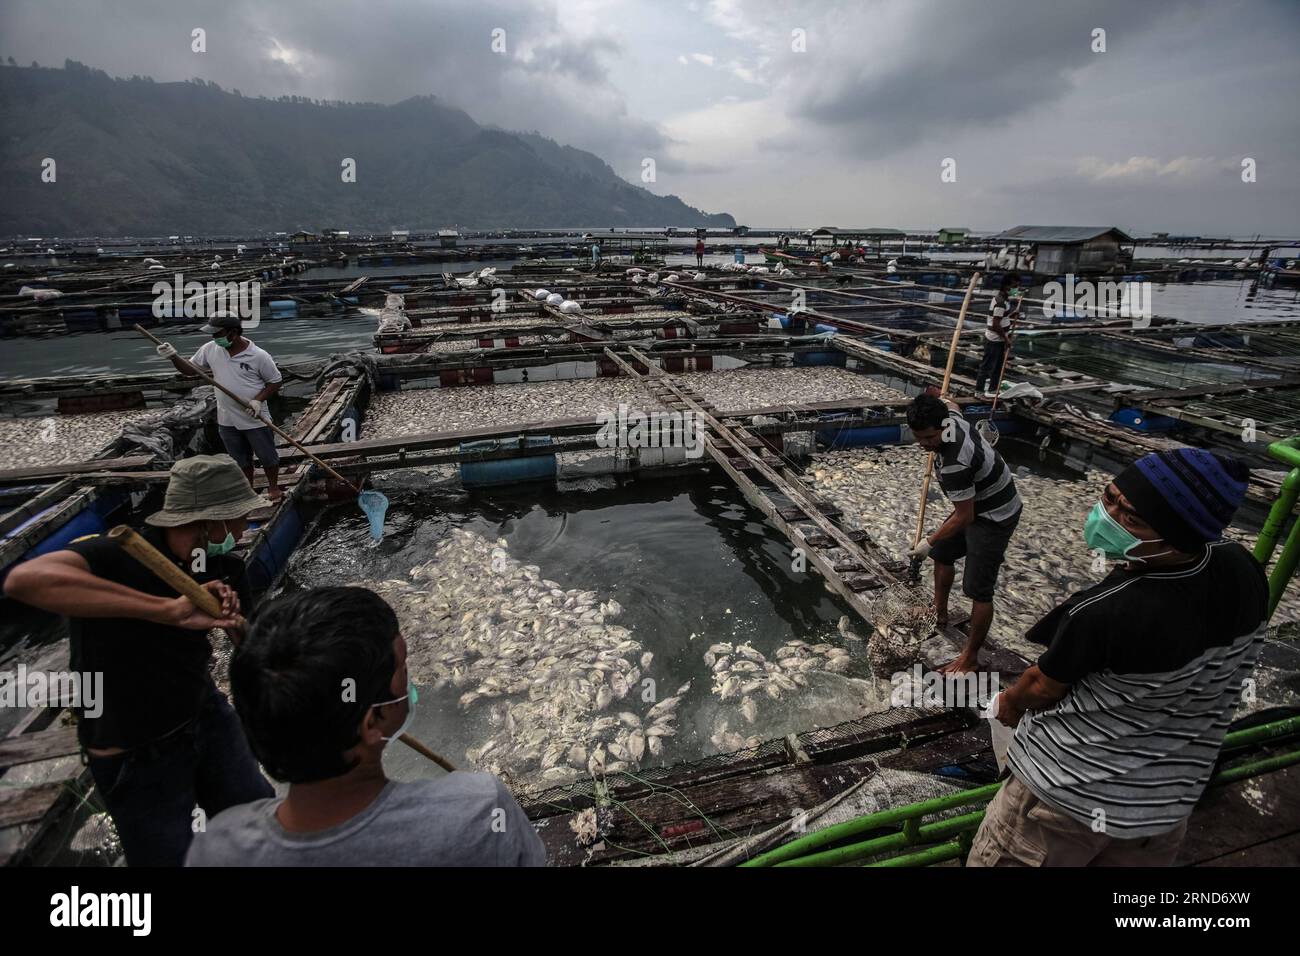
997,339
1119,724
986,510
164,739
250,372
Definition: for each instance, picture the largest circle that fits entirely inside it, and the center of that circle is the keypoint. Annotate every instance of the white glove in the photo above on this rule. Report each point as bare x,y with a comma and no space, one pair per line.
255,408
921,551
167,350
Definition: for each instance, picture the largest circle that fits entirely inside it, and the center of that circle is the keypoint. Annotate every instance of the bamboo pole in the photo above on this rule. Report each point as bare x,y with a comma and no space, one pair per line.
943,392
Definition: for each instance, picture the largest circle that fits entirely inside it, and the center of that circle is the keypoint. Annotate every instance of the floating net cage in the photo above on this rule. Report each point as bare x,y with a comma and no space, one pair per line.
1273,412
839,742
1129,364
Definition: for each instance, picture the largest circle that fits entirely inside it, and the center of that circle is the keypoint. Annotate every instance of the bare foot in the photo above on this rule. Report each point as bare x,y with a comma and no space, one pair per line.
274,495
940,618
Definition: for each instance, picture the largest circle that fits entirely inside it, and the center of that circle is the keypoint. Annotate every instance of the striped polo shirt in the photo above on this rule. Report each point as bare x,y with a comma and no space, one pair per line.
1156,662
969,467
997,309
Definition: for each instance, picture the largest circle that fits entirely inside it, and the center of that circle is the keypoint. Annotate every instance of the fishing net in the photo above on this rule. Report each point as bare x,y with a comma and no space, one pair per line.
375,506
904,610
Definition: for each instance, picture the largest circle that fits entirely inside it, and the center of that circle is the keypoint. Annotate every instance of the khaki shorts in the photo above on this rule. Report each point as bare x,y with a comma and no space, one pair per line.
1021,830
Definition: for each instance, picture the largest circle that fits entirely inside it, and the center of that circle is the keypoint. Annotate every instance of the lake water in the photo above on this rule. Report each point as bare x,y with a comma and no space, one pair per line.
690,562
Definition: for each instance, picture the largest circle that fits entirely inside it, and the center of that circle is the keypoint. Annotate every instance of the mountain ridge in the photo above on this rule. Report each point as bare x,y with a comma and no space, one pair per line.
135,157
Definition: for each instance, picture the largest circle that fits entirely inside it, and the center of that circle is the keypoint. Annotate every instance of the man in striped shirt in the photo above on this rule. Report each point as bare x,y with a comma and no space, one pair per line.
986,510
997,339
1119,724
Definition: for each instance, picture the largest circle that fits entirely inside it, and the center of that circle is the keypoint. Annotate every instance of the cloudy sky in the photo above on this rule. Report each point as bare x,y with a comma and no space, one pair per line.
833,112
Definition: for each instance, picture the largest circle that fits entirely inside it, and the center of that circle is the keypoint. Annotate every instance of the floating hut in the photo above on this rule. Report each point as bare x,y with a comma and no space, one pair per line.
1082,250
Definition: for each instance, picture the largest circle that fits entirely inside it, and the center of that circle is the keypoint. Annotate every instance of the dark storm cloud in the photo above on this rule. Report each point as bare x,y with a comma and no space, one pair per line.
998,60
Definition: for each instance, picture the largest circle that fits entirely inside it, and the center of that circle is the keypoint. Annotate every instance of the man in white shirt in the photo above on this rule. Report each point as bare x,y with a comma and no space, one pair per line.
250,372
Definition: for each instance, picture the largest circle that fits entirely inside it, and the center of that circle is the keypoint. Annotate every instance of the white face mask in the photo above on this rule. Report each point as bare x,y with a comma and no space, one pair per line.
413,695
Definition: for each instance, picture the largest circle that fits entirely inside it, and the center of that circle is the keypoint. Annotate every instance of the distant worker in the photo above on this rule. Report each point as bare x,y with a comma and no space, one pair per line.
699,253
997,338
341,809
986,510
595,254
250,372
164,740
1119,724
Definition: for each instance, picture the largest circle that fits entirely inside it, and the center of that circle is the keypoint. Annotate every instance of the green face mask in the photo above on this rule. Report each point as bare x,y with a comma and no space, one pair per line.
224,342
413,696
223,547
1103,533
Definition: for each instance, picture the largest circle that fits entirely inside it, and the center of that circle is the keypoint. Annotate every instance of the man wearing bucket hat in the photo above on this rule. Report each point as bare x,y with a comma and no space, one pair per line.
250,372
165,739
1119,724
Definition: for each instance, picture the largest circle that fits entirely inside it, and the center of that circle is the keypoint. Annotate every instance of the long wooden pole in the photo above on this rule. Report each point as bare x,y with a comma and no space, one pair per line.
207,602
243,404
943,392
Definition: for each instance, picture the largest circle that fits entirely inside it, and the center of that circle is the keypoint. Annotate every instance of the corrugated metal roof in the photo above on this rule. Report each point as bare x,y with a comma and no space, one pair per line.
1065,235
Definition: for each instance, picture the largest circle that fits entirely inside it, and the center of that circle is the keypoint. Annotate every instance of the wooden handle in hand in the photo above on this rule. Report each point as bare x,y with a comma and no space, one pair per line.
155,561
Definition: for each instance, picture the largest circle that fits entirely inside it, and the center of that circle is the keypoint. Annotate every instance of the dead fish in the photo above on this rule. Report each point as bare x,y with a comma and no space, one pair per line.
749,709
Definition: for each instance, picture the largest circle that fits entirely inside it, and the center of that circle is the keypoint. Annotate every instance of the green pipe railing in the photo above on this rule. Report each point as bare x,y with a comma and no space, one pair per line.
959,830
1287,452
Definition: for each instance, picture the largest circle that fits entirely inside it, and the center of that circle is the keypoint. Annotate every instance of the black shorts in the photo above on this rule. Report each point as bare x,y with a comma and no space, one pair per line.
242,443
984,546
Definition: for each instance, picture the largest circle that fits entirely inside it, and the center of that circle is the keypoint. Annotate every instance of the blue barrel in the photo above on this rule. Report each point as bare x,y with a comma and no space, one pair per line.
264,565
81,320
830,357
860,437
283,307
1138,420
89,521
506,471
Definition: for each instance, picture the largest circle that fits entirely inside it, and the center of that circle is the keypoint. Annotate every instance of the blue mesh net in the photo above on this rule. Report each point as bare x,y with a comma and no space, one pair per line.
375,506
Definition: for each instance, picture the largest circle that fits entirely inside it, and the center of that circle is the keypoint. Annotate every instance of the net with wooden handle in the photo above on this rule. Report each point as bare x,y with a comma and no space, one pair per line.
244,404
943,393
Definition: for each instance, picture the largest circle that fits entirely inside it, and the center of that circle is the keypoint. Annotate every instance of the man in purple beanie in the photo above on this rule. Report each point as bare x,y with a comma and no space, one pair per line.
1119,724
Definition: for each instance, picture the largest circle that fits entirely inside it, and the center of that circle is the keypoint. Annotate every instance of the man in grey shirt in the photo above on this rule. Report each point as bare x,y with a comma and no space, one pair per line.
321,685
